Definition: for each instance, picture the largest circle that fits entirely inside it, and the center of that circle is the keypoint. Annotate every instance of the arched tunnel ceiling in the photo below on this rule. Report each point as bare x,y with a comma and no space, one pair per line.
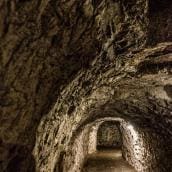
119,93
129,93
65,63
44,44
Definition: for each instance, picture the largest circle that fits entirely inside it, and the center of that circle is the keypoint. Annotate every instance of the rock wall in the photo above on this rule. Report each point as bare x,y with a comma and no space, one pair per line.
143,148
144,100
84,143
66,63
160,16
92,145
77,152
109,136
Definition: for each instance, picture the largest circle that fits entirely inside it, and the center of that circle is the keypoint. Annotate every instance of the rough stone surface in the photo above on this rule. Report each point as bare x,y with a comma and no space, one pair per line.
109,136
140,99
143,148
84,144
66,63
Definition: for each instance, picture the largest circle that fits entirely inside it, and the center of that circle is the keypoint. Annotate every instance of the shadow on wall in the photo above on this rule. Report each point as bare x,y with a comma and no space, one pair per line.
168,89
16,158
160,16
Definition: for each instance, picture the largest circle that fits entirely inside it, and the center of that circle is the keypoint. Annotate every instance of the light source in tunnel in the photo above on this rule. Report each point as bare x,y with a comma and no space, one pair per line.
138,148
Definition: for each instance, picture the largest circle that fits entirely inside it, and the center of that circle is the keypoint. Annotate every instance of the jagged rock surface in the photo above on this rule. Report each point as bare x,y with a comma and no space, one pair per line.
64,64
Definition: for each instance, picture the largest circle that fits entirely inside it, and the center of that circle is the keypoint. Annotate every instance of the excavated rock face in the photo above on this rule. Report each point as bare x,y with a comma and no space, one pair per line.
64,64
144,148
109,136
134,94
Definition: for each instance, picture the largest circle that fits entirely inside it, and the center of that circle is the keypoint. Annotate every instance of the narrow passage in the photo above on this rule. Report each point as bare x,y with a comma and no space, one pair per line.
107,161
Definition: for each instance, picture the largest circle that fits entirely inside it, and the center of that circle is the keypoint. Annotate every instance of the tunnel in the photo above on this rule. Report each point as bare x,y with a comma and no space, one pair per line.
85,86
133,148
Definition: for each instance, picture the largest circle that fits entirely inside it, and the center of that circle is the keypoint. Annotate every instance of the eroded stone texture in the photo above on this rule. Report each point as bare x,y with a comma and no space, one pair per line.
66,63
109,136
144,148
83,144
142,100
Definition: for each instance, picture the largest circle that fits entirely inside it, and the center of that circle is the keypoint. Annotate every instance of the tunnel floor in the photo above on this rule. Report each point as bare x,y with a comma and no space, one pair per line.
107,161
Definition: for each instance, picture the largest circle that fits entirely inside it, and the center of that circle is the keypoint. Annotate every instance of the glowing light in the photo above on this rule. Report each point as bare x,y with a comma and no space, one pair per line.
133,132
137,143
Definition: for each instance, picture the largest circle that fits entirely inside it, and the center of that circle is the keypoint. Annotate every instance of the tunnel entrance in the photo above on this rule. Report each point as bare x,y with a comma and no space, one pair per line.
109,136
114,144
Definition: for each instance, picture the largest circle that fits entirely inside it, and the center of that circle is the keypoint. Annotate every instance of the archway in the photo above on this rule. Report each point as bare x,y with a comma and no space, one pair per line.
105,147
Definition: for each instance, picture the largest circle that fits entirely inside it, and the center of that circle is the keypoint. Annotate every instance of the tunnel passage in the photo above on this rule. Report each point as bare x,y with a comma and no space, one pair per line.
144,129
85,155
109,136
55,55
142,148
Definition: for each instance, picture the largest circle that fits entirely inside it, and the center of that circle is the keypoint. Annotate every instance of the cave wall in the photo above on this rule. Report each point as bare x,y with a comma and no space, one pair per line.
144,148
83,144
77,152
109,136
63,61
42,45
143,100
92,140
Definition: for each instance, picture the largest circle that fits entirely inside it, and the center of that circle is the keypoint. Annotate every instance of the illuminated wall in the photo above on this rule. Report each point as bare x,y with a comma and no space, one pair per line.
143,148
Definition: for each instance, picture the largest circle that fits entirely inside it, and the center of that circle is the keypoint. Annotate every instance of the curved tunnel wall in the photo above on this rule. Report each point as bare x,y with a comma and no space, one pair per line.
122,84
135,108
138,148
102,45
144,148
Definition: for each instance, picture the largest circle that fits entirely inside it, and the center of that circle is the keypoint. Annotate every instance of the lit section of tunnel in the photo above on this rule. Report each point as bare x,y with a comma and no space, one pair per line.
137,147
